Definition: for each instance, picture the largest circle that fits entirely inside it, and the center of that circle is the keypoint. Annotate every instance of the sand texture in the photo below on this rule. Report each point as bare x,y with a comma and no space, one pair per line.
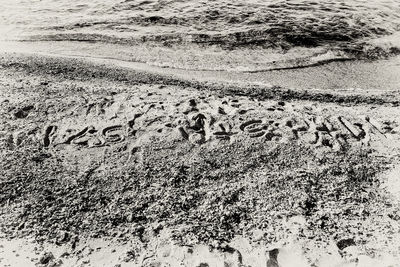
102,165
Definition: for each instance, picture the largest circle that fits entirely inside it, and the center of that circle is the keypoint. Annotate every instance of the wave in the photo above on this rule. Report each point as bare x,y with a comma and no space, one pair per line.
272,23
254,35
186,54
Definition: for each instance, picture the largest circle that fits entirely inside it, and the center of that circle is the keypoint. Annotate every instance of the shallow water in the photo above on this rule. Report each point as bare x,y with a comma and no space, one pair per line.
254,35
357,77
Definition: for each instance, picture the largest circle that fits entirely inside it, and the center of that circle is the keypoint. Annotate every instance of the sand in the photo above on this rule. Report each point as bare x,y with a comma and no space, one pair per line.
103,164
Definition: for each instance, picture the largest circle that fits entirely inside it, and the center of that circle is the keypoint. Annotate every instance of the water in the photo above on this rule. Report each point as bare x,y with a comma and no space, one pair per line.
240,35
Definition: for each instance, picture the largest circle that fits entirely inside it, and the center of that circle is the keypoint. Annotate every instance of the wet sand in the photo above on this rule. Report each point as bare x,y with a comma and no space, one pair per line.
352,77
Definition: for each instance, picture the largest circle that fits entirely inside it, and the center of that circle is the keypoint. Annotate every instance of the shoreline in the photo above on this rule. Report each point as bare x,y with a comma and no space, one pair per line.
380,75
143,74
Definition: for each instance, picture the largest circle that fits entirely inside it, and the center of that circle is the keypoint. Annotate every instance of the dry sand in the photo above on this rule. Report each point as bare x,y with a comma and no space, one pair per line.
103,165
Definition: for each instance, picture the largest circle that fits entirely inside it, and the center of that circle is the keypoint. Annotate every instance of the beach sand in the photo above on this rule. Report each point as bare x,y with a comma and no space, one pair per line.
104,163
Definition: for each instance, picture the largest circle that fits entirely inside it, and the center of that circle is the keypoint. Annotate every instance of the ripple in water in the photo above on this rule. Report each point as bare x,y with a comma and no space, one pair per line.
238,35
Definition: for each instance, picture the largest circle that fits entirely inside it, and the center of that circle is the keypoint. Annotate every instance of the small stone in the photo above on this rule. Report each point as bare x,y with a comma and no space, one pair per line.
344,243
192,103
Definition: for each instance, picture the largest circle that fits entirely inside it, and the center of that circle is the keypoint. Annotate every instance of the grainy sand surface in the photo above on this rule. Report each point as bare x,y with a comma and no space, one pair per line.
104,164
